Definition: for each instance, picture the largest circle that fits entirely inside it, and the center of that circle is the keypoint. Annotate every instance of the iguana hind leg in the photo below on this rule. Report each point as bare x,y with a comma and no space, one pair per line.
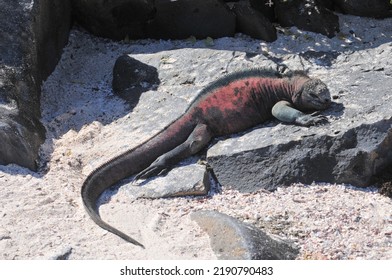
197,140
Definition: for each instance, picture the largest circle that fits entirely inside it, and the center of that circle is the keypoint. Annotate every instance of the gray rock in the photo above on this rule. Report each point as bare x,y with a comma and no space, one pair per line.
353,148
132,77
63,253
115,19
188,179
231,239
32,34
320,58
367,8
253,22
307,15
20,140
184,18
383,181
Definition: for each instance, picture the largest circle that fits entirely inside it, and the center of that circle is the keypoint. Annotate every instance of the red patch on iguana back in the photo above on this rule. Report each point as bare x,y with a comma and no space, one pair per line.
240,104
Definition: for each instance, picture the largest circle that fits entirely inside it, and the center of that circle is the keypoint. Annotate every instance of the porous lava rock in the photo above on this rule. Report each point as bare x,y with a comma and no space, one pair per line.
115,19
307,15
366,8
253,23
184,18
132,77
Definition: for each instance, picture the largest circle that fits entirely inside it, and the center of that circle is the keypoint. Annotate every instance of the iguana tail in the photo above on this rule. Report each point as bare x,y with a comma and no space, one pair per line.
130,163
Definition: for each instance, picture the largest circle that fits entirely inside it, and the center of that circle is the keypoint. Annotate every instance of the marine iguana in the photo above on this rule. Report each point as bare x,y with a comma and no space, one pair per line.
231,104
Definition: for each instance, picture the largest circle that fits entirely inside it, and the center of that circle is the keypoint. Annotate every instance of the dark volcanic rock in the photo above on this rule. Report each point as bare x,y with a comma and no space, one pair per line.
132,77
329,4
115,19
20,140
367,8
32,34
349,157
307,15
253,22
353,148
51,25
234,240
384,181
184,18
267,8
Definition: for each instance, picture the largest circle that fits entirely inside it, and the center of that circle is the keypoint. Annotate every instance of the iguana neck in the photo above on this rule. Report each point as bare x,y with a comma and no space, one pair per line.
297,84
277,90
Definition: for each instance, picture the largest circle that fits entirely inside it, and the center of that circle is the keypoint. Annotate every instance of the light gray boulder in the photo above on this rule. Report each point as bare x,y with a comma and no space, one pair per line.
232,239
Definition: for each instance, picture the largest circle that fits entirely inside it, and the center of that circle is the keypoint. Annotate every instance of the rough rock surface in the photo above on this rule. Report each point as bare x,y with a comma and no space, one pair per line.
253,23
163,19
184,18
194,178
132,77
367,8
32,34
329,4
268,9
307,15
383,181
115,19
232,239
166,19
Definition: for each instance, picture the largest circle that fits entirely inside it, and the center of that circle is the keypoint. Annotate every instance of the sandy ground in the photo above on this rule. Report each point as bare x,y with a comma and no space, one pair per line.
42,216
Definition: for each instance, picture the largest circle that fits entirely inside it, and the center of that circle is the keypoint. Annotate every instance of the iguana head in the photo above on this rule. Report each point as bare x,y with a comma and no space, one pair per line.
313,96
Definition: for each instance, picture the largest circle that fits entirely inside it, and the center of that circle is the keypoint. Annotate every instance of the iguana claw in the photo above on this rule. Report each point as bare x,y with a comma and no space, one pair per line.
155,169
316,113
312,119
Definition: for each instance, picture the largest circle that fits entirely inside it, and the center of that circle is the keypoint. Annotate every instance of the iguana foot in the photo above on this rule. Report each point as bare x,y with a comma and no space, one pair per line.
312,119
157,168
148,173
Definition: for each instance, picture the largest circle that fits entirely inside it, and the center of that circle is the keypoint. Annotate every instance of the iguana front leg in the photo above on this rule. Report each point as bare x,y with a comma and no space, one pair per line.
285,112
197,140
